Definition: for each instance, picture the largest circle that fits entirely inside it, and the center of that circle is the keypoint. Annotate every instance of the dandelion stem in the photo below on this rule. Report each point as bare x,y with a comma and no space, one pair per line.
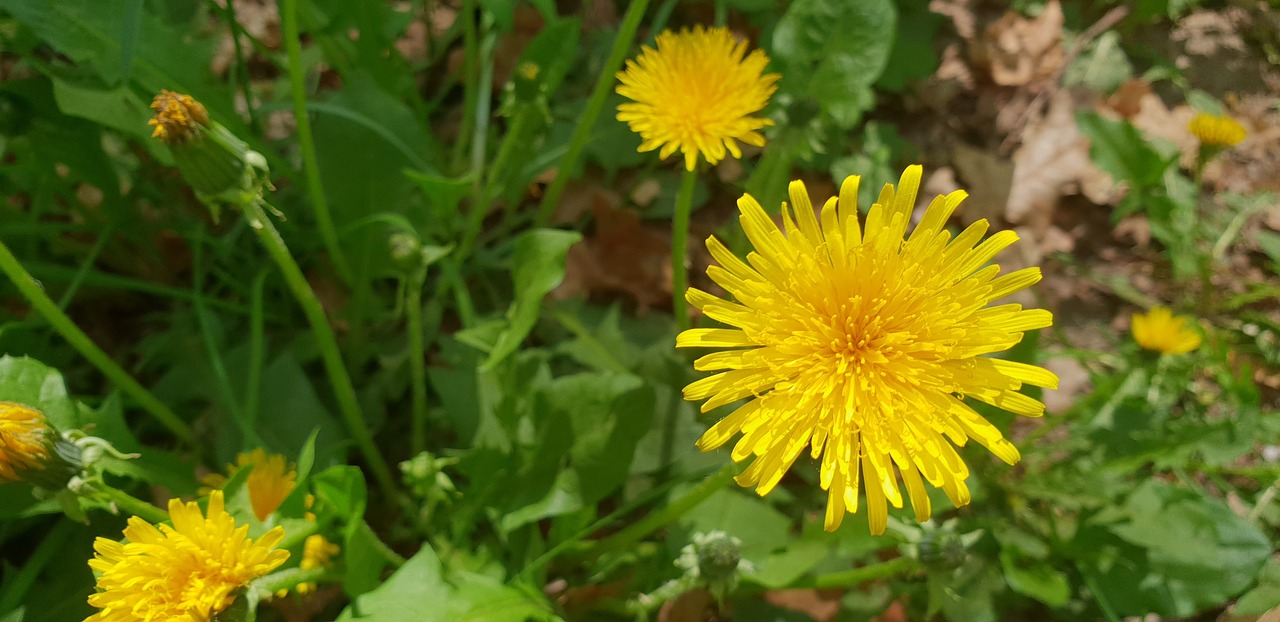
417,369
35,294
325,340
858,576
665,515
679,244
315,191
587,122
133,505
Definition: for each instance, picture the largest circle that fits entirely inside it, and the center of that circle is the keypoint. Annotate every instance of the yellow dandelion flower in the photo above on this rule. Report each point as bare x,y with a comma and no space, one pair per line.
1162,331
317,552
183,573
25,441
177,117
1216,131
695,93
861,345
270,482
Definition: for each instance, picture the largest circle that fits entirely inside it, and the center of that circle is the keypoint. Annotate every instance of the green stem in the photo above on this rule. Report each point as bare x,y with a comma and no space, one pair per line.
679,244
35,295
133,505
479,194
587,122
471,81
665,515
858,576
417,368
293,47
242,68
348,405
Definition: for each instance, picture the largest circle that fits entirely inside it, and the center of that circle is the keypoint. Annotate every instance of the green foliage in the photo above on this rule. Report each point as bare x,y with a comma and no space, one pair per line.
557,439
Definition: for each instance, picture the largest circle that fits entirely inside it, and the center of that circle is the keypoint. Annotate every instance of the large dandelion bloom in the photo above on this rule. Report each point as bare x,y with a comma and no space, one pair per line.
862,346
696,93
183,573
1159,330
25,441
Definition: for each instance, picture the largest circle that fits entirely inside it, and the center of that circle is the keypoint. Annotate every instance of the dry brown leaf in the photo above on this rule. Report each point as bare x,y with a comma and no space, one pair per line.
988,179
821,605
1073,382
691,606
961,15
623,256
1016,50
1157,121
1053,161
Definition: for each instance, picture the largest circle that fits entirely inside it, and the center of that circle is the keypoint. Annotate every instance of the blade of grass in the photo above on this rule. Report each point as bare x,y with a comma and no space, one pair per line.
587,122
311,167
40,301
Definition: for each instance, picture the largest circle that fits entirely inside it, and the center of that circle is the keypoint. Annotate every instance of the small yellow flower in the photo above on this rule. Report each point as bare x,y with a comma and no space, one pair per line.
183,573
1162,331
862,346
270,482
1216,131
25,441
695,93
177,117
317,552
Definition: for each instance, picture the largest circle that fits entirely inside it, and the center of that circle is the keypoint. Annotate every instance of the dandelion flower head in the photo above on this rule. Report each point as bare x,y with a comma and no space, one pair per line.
695,93
861,346
1161,331
25,438
317,552
183,573
1217,131
270,481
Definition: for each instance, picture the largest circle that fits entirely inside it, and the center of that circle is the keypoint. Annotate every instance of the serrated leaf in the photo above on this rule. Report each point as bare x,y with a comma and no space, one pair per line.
539,268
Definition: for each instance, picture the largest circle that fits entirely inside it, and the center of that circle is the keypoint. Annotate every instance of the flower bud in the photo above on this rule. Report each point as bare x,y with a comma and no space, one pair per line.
219,166
32,451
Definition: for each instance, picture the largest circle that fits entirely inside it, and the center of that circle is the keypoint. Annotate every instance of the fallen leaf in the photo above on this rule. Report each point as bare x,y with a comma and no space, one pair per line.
1053,161
821,605
1016,50
988,179
623,256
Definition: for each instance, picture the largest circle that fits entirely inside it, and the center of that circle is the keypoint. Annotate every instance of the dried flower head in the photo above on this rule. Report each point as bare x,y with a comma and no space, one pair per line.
696,93
863,346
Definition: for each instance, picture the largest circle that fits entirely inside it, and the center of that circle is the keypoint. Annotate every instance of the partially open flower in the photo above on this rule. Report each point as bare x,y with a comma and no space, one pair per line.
31,450
270,480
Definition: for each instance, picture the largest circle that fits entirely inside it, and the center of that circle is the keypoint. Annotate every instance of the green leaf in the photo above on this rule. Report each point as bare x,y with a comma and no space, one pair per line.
1037,579
119,109
1265,596
1178,551
912,56
539,268
1270,244
837,50
745,516
416,591
554,51
28,381
1119,149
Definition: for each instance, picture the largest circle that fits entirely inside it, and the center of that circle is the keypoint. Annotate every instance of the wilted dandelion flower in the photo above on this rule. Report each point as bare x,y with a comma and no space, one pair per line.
270,481
1217,131
1162,331
860,345
25,441
183,573
696,93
